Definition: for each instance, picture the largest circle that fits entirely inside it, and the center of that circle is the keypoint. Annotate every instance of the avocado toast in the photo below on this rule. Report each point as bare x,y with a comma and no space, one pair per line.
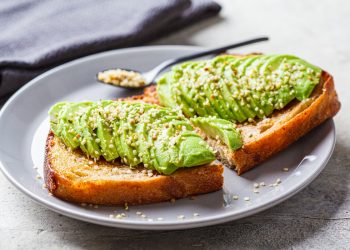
273,100
113,152
245,108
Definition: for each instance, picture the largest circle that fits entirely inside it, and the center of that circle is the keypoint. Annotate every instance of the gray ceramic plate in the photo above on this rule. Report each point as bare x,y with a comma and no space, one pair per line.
24,126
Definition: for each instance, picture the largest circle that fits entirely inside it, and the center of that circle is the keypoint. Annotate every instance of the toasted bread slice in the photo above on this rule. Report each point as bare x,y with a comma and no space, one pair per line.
269,136
71,176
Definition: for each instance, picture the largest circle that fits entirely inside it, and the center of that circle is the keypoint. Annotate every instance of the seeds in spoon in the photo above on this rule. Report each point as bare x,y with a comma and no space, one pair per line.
120,77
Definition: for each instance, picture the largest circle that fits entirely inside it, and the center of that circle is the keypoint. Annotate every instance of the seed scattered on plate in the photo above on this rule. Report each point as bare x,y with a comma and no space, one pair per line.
196,214
38,177
278,181
160,218
285,169
247,198
262,184
256,185
138,213
143,216
235,197
256,191
181,217
150,219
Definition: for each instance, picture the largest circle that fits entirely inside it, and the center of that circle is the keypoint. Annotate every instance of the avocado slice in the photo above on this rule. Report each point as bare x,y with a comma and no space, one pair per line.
88,135
219,127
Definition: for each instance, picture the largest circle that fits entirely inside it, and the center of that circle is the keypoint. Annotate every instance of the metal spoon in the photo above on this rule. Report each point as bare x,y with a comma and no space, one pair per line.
151,75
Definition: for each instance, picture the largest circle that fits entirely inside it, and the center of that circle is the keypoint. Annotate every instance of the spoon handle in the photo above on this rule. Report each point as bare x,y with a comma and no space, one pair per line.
170,62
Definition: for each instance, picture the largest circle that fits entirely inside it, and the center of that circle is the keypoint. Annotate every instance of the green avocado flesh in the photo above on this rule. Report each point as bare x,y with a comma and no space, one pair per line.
237,88
159,138
221,129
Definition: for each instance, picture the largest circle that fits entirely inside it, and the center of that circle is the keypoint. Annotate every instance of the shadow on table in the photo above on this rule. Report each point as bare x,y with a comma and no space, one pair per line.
293,221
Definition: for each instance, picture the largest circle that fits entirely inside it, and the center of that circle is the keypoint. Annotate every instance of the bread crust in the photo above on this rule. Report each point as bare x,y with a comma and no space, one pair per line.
261,141
62,165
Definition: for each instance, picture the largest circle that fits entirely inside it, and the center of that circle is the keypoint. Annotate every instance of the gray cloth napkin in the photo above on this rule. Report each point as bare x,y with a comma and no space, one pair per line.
37,35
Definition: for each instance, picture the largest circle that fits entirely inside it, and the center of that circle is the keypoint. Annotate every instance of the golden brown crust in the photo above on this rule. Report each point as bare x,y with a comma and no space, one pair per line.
269,136
69,175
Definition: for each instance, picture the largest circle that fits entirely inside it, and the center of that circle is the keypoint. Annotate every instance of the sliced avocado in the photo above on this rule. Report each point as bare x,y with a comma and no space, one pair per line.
192,94
106,139
219,127
88,138
219,65
70,133
54,115
194,150
231,76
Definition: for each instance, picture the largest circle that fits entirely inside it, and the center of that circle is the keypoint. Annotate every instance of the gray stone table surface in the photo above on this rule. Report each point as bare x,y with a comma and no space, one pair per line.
318,217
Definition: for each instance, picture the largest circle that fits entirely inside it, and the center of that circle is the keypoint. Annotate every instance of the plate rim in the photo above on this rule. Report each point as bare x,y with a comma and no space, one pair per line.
144,225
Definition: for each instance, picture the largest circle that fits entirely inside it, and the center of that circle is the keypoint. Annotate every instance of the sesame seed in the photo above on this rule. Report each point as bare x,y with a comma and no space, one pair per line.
247,198
278,181
285,169
256,191
38,177
256,185
196,214
138,213
143,216
150,219
262,184
235,197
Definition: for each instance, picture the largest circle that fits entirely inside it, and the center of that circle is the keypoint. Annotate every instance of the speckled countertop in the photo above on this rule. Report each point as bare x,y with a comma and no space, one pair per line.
318,217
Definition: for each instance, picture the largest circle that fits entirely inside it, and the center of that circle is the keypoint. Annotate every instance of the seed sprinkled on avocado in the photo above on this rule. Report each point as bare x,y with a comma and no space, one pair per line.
136,133
237,88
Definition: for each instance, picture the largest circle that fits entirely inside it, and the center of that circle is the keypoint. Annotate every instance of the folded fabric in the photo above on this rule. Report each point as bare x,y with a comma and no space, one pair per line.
38,35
